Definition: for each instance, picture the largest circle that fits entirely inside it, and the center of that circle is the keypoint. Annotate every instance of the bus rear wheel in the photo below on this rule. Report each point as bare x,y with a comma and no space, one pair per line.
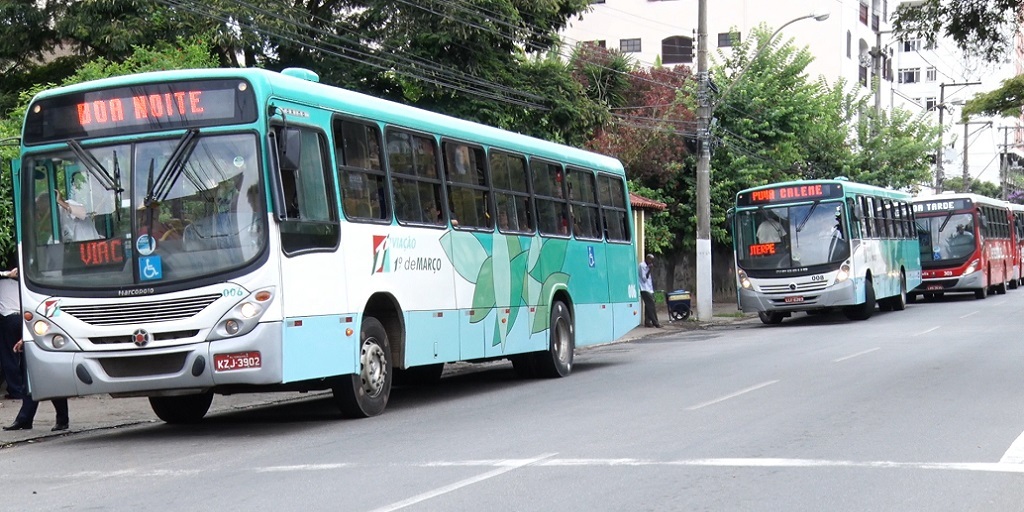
366,393
899,302
557,360
181,409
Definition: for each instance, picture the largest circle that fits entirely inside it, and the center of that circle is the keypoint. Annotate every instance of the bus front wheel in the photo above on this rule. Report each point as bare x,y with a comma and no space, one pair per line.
366,393
770,318
865,310
181,409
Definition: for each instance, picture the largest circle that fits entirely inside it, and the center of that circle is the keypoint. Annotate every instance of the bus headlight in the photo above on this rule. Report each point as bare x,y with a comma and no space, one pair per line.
744,280
844,273
972,268
244,317
40,328
59,341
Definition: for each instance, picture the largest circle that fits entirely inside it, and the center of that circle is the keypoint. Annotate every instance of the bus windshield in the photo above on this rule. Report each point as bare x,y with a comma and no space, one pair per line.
783,237
946,238
150,212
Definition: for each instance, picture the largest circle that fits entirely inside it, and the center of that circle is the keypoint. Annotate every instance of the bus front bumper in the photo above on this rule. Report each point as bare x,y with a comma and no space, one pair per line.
165,370
968,283
841,294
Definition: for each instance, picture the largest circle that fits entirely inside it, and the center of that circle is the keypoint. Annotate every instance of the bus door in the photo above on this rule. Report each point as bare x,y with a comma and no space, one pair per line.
315,305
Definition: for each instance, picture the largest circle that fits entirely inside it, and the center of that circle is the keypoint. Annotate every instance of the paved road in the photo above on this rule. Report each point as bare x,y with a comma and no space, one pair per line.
915,410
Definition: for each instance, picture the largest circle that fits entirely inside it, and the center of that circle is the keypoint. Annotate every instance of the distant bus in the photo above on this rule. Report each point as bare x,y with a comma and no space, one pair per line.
1017,210
967,245
821,244
186,233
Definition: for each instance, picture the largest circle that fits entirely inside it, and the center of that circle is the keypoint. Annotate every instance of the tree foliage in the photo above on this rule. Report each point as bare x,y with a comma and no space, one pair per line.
978,27
1006,100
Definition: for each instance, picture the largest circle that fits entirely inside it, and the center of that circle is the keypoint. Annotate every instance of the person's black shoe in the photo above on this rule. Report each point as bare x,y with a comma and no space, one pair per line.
58,427
657,326
648,324
18,426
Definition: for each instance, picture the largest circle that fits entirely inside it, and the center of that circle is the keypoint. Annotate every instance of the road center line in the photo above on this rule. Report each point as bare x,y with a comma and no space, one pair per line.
734,395
928,331
1015,454
969,314
504,467
851,356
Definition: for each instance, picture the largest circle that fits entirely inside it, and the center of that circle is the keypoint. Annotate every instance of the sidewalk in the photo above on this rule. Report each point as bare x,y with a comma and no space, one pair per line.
98,412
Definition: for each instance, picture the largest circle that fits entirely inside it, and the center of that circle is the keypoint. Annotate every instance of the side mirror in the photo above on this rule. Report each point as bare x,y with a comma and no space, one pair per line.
730,217
290,149
983,220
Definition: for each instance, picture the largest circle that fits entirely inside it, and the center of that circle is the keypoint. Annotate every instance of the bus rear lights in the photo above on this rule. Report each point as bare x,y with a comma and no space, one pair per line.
40,328
744,280
59,341
844,273
973,267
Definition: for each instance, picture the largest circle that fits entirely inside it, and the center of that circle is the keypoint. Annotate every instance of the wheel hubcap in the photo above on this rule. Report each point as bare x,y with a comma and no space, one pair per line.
373,367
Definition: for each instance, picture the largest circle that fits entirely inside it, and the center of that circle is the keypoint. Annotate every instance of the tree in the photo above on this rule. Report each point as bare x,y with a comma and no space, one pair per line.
1005,101
983,28
984,188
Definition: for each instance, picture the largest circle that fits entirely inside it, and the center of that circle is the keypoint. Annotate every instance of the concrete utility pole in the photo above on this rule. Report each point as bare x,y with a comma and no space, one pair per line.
967,180
939,174
1004,163
704,304
704,112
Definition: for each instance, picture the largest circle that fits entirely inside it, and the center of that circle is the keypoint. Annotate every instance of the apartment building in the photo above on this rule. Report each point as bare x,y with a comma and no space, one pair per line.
855,43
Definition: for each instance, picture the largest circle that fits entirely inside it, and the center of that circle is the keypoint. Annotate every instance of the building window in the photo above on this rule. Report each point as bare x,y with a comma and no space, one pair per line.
910,75
863,75
849,44
600,43
931,74
727,39
629,45
864,13
911,45
677,50
930,103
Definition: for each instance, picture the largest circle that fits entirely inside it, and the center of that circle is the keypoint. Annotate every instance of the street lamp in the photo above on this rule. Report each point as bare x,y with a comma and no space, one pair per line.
704,311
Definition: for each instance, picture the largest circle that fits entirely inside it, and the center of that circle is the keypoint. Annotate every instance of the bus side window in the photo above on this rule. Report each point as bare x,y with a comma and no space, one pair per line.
309,200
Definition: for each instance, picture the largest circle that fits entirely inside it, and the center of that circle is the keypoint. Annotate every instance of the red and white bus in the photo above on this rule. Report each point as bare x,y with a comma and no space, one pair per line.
967,245
1017,211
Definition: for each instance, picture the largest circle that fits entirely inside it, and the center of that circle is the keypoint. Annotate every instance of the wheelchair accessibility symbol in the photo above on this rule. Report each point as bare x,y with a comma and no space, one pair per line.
150,268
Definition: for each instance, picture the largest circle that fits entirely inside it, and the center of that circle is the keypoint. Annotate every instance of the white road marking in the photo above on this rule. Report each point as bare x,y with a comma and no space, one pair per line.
851,356
734,395
503,467
928,331
301,467
1015,454
971,313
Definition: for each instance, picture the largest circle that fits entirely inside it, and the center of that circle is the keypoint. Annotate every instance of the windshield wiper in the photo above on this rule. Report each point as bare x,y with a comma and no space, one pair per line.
945,221
800,227
158,189
95,168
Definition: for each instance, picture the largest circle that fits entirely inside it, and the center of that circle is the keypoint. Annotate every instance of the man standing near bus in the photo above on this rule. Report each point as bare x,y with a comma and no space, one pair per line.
647,292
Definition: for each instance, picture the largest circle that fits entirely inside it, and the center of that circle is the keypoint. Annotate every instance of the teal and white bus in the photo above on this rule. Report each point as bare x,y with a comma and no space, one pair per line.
820,244
187,233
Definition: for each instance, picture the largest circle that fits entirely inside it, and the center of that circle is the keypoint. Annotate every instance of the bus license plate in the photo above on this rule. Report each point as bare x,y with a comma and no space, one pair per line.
795,298
935,287
236,361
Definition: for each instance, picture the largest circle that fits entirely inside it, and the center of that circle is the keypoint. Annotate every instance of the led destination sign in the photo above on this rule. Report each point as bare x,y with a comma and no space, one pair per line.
790,193
141,108
942,206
